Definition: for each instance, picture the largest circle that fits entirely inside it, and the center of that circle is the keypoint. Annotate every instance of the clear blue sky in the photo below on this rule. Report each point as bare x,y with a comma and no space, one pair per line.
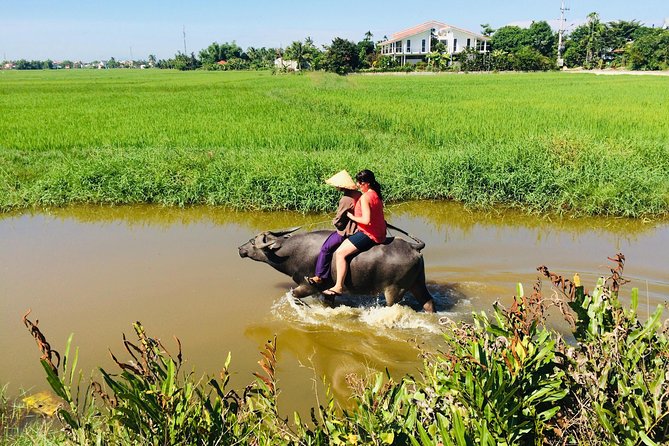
97,30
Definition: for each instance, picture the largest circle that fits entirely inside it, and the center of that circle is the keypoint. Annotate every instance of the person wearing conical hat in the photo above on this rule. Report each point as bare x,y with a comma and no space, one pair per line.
344,226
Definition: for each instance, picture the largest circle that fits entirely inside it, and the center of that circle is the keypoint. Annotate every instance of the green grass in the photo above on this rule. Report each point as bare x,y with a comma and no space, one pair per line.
544,142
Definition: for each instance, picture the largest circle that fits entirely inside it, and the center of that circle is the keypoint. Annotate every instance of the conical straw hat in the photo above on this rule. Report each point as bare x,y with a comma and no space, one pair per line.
342,180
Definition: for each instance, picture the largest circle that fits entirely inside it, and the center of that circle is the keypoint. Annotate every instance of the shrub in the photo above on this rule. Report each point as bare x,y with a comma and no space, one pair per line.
385,63
529,59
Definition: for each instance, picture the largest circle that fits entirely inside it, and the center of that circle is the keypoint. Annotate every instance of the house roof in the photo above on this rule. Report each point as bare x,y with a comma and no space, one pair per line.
425,27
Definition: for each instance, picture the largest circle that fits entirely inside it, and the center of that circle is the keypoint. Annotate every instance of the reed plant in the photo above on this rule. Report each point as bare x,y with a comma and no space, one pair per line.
543,142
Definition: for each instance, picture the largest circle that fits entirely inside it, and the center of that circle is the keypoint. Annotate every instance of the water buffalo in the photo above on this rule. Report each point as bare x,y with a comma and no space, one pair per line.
393,267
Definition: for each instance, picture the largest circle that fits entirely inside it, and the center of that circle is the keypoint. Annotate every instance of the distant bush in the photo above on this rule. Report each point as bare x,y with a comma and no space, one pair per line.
385,62
529,59
650,51
421,66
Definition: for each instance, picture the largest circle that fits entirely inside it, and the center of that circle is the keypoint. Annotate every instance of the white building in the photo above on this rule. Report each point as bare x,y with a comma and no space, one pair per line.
285,64
413,44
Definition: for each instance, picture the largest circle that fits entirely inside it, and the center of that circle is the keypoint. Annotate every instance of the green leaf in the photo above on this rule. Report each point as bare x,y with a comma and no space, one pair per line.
649,327
54,381
378,384
442,424
66,356
168,384
603,415
74,364
646,440
548,414
67,416
414,442
458,428
424,437
635,300
387,437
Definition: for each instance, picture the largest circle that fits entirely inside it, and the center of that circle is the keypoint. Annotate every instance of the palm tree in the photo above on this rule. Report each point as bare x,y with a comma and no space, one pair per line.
302,53
296,52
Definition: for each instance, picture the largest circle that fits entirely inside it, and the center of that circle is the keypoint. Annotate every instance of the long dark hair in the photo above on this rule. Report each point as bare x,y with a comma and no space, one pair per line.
367,176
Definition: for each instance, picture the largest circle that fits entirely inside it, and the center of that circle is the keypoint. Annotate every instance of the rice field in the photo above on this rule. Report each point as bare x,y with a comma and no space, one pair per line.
545,142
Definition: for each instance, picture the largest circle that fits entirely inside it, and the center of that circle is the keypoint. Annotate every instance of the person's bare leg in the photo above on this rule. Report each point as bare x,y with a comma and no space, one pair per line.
341,262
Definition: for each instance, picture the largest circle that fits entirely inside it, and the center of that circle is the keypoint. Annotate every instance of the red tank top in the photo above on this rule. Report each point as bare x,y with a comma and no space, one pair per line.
376,229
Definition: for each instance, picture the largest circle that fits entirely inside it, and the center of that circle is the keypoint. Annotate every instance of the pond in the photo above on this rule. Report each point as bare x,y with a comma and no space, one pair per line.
93,271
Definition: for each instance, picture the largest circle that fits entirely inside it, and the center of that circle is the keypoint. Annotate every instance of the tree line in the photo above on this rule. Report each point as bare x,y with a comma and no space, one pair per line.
594,44
342,56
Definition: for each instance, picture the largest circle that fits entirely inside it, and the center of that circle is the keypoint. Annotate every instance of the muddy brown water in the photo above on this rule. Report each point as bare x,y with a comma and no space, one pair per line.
93,271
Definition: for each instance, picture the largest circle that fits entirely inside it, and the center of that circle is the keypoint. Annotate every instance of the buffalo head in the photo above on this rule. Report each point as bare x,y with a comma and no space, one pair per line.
264,243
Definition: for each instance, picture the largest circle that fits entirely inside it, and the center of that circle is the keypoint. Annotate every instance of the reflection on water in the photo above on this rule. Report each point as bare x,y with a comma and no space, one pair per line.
94,270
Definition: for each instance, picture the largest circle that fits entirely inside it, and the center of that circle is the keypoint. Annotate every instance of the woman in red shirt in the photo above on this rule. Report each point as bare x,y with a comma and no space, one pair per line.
371,227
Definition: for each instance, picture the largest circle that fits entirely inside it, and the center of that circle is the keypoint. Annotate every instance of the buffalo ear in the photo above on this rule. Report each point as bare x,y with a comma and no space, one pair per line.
264,241
275,245
272,244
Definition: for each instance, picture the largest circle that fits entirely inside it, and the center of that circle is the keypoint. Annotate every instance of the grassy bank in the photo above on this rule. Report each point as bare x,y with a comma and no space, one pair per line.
544,142
502,380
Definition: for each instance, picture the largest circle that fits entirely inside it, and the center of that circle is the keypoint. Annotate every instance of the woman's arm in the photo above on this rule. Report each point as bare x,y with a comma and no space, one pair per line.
365,218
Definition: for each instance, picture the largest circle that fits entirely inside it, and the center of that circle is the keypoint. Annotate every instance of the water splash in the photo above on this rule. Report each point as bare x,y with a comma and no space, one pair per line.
400,317
367,313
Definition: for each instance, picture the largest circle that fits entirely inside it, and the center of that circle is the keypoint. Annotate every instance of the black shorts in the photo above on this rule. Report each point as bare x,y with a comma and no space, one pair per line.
362,241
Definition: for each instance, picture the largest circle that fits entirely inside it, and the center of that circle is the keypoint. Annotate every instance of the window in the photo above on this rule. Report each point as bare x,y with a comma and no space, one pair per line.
408,46
469,43
422,46
455,45
398,46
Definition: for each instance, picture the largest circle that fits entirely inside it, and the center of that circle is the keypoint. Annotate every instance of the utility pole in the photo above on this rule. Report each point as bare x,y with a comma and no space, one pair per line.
560,61
184,30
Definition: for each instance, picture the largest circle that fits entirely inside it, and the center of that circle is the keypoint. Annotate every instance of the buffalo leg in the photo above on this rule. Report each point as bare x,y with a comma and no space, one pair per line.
393,294
423,296
303,291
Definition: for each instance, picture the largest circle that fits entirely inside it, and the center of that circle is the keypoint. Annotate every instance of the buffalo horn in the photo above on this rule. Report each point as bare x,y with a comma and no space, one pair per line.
284,232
